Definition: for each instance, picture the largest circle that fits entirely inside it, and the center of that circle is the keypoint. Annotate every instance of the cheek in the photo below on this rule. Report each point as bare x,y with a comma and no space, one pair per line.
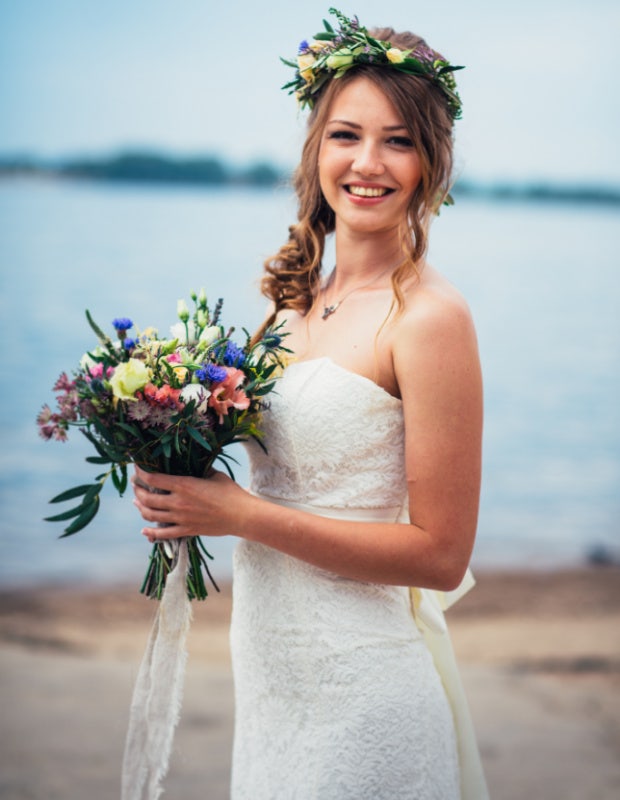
329,172
413,178
415,172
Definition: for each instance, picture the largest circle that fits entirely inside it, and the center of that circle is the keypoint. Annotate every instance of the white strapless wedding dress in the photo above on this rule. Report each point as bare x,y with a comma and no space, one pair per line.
337,694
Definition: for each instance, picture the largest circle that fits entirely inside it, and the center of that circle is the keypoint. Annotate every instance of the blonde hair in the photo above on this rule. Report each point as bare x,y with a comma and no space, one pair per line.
293,275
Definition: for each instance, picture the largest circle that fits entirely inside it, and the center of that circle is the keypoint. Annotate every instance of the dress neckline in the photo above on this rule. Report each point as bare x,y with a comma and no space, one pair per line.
355,375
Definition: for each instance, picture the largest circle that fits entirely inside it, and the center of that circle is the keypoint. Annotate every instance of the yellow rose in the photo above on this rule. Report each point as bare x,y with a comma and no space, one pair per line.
181,373
305,62
395,55
128,378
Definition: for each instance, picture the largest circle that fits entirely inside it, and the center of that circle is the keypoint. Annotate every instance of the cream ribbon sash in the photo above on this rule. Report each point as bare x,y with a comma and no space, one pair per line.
158,692
427,606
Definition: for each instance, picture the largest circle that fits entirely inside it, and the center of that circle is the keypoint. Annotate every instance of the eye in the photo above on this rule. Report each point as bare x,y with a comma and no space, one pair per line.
401,141
344,135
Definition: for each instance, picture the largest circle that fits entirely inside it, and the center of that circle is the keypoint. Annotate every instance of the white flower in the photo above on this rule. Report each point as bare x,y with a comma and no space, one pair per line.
197,393
178,332
86,362
210,335
182,310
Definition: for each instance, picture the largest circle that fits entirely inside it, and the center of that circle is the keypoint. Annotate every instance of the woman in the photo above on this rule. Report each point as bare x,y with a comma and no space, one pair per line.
371,481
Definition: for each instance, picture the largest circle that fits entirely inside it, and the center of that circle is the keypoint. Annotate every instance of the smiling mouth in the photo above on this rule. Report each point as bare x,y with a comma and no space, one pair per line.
368,191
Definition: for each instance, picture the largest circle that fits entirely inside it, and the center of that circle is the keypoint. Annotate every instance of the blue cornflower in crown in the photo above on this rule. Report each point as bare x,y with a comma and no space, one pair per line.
333,52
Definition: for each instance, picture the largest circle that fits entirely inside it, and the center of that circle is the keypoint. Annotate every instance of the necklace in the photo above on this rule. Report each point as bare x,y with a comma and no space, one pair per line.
329,310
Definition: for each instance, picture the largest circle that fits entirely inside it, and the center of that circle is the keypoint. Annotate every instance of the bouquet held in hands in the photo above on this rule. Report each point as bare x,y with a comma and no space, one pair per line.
169,405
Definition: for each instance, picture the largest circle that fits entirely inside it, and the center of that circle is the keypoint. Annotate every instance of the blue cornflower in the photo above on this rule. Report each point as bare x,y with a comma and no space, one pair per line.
304,47
129,344
122,323
211,373
232,356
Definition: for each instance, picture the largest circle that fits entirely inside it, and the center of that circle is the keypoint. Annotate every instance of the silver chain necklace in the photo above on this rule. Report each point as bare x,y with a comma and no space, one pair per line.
329,310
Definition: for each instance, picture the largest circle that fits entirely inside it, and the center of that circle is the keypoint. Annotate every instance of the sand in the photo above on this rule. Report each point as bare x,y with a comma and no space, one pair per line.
539,655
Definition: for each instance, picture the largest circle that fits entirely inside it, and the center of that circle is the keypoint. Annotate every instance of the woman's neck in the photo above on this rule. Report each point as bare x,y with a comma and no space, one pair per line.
359,259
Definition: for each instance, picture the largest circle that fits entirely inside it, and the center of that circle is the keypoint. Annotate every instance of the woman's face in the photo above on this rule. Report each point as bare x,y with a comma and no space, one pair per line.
368,165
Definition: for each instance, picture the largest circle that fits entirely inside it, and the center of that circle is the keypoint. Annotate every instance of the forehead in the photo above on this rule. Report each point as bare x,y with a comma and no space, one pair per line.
363,99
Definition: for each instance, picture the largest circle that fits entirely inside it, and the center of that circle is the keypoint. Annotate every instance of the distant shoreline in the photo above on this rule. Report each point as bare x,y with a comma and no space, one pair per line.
156,169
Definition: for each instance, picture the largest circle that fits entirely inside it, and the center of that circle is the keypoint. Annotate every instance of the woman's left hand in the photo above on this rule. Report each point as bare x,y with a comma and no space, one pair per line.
188,506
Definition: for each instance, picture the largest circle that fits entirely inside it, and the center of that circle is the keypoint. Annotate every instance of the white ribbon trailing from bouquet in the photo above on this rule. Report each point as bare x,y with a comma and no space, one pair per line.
158,693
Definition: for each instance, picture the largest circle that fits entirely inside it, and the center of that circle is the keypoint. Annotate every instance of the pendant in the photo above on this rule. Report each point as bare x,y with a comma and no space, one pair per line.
329,310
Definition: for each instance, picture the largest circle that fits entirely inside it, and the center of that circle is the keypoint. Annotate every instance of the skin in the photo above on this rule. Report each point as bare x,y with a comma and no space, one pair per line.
427,356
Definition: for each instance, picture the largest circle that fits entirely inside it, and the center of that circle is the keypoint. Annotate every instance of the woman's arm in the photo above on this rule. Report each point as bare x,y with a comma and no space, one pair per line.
436,365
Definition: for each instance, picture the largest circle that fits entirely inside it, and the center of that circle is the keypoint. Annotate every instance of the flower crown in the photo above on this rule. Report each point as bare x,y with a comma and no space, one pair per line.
332,53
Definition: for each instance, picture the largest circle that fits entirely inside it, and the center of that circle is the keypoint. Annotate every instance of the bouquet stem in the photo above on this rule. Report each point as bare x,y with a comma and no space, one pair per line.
162,562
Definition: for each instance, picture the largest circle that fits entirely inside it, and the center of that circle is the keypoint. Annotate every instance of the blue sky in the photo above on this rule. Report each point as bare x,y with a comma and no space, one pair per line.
540,91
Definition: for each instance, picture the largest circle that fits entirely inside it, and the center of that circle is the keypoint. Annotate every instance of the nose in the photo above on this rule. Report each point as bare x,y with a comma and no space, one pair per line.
367,159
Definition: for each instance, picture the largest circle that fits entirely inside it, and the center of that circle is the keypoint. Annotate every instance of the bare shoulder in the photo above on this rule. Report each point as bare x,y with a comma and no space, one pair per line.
434,307
435,329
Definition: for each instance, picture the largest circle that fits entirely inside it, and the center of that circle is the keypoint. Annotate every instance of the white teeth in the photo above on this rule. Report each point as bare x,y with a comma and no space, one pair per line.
367,191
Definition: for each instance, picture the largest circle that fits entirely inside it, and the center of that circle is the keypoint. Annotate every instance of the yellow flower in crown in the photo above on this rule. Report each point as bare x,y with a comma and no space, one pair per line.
395,56
341,58
306,62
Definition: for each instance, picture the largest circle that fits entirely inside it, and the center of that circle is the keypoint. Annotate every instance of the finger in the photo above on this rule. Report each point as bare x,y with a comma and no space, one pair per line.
152,514
152,500
152,481
161,534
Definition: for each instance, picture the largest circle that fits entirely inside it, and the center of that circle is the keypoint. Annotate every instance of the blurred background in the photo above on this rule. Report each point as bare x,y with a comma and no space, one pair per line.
144,152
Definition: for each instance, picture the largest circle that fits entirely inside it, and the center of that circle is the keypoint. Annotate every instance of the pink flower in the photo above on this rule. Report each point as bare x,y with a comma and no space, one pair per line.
51,426
96,371
63,384
227,394
174,358
166,396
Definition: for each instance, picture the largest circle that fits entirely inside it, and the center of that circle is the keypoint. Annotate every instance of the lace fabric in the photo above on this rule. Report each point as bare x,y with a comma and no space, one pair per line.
337,694
334,438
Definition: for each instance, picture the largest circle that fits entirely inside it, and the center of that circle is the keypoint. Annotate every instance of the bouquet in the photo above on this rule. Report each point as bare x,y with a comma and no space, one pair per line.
170,405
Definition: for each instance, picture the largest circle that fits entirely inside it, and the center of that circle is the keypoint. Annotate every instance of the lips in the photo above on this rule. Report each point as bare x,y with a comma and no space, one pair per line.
367,191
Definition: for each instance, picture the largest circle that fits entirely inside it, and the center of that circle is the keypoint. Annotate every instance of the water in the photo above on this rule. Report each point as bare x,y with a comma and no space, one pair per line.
542,282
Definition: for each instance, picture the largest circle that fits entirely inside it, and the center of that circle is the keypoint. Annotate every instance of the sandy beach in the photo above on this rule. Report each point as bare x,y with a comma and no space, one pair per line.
539,653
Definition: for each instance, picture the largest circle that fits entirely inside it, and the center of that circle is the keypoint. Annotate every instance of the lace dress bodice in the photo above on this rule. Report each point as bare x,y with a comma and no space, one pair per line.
337,696
333,438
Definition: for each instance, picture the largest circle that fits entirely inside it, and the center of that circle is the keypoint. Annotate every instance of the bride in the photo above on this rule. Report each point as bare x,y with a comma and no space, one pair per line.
344,688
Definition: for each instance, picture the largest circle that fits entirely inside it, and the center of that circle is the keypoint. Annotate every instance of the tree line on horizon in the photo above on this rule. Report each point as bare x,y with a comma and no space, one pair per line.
212,171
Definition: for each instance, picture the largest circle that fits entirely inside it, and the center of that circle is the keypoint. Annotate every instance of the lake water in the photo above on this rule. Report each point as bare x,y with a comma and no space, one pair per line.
543,282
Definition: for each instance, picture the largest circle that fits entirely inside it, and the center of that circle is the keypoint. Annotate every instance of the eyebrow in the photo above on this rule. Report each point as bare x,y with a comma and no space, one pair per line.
358,127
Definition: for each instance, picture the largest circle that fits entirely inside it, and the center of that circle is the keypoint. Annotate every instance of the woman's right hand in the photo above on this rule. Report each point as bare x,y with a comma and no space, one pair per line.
189,506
